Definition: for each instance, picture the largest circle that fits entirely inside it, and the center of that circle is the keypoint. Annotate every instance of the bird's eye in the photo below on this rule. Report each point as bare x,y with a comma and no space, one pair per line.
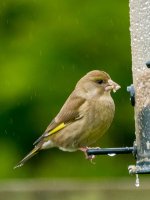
100,81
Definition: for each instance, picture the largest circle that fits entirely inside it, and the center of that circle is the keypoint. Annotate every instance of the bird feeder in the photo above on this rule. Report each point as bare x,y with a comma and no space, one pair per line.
139,90
140,44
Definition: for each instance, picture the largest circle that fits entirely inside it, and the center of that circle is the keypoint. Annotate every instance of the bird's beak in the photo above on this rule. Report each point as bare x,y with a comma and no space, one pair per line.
112,86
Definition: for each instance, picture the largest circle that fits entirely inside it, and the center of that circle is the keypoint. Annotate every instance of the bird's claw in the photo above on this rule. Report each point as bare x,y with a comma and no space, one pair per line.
88,157
91,158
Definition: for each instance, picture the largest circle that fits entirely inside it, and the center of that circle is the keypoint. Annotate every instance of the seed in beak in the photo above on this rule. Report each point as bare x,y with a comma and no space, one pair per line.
112,86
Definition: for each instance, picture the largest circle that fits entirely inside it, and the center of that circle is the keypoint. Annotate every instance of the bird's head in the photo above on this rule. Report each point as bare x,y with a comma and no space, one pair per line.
98,82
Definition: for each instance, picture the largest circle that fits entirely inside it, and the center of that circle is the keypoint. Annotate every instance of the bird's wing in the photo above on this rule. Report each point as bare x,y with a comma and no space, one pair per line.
68,113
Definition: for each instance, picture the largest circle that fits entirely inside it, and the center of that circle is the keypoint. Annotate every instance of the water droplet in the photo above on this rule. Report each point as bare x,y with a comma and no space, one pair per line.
137,181
111,154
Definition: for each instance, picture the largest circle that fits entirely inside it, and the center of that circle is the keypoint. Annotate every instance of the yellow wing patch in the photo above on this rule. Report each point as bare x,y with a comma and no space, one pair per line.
58,128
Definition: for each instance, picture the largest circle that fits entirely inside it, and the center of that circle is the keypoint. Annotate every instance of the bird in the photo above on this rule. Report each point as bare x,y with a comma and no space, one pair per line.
83,119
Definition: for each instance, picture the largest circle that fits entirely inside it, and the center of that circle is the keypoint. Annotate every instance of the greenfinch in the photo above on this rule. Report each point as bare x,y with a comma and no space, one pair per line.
84,118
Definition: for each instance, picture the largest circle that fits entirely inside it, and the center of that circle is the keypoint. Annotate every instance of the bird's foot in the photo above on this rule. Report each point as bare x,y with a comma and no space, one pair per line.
88,157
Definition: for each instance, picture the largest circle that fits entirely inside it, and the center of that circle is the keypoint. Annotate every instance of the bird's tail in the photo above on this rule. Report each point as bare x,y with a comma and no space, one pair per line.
28,156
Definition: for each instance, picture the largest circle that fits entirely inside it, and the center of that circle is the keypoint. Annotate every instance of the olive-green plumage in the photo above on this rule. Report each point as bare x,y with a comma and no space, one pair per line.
84,118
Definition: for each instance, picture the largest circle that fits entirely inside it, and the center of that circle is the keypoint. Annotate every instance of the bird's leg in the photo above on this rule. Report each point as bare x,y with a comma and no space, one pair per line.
89,157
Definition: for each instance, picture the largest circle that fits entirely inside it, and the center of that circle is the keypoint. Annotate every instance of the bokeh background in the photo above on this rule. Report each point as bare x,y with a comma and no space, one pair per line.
45,48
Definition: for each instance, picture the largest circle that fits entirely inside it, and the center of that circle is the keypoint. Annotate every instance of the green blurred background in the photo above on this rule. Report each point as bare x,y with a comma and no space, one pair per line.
45,48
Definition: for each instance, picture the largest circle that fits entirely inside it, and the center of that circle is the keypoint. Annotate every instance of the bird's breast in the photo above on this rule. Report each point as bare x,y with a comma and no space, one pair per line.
98,118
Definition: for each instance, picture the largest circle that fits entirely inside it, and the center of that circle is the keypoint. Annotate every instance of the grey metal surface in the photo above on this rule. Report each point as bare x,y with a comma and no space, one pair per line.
140,45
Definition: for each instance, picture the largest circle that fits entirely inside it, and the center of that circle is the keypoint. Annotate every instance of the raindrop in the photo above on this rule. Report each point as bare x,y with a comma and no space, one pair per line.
111,154
137,181
35,93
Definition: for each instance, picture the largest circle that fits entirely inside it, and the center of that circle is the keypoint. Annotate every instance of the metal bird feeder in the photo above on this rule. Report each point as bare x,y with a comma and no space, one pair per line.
139,90
140,43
